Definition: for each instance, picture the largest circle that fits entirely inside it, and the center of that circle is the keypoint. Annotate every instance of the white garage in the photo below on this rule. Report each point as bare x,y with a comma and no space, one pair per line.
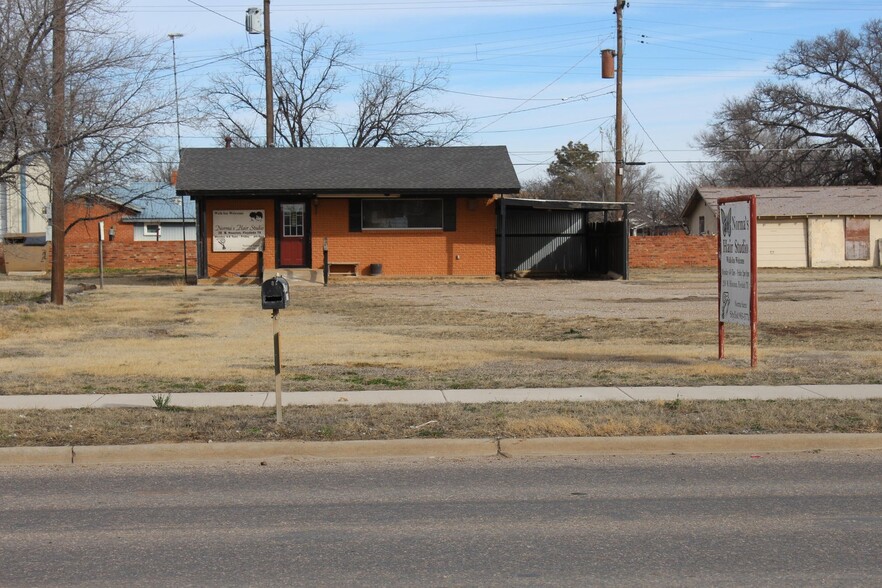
824,226
781,243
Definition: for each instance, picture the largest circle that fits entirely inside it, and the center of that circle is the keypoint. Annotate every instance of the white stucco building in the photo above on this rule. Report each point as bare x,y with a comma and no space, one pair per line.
24,199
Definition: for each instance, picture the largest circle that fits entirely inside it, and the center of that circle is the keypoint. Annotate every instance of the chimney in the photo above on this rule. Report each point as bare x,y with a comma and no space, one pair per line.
228,142
173,177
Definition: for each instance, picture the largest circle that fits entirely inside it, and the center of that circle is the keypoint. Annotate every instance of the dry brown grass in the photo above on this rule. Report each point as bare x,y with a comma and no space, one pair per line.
658,329
528,419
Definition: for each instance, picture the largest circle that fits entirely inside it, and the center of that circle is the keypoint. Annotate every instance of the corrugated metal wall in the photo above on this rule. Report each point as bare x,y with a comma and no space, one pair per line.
562,243
545,241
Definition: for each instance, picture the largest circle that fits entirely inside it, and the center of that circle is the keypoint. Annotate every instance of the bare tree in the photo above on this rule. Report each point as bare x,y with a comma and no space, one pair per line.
23,45
114,107
751,153
673,200
396,107
305,79
820,123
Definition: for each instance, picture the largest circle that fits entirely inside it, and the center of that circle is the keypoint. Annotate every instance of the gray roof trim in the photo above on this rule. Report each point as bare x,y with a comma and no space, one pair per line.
328,170
816,201
563,204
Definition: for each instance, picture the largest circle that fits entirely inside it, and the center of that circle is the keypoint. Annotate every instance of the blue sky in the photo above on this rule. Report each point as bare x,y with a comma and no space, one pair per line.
528,73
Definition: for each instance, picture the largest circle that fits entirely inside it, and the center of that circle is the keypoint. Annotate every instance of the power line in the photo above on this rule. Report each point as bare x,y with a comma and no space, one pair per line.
645,132
552,82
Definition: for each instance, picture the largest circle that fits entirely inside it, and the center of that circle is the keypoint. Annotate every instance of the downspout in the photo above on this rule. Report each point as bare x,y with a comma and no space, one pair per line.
23,190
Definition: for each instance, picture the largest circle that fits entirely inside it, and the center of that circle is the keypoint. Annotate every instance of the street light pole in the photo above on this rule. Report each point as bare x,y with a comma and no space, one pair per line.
174,36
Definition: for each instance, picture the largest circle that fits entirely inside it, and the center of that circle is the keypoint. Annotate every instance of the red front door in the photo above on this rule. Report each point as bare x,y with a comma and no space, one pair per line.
292,238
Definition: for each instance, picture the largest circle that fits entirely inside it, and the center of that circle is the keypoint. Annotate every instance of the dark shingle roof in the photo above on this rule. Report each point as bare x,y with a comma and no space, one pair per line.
346,170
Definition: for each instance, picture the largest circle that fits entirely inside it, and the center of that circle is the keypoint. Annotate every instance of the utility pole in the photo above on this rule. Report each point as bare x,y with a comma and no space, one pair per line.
58,159
268,66
620,157
174,36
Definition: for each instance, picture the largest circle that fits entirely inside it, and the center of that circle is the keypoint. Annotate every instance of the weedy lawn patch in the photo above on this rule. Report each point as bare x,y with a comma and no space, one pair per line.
119,426
657,329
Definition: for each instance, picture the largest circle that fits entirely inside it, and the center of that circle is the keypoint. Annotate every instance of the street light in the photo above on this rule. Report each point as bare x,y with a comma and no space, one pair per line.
174,36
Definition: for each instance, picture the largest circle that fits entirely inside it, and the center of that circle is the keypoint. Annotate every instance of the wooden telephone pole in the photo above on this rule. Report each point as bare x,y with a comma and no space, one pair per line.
268,65
58,157
620,157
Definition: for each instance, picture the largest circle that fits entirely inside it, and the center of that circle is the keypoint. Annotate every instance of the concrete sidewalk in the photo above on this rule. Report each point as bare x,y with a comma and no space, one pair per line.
267,399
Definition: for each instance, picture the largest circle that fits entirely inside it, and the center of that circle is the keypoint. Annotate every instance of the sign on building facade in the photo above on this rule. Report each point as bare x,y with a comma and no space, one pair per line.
238,230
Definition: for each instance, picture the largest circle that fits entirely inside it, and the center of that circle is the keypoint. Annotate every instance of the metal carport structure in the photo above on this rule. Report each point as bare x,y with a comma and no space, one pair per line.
561,238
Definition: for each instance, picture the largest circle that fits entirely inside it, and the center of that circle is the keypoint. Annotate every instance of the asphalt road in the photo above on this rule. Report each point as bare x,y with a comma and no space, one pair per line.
797,520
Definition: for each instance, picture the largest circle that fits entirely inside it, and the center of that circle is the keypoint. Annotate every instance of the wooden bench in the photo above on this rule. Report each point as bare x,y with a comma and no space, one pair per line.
343,268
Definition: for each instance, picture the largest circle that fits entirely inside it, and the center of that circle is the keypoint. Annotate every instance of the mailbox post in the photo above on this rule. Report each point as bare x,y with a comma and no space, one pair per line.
274,296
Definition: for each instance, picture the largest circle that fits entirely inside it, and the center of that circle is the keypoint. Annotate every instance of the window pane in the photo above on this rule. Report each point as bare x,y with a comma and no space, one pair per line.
292,220
402,214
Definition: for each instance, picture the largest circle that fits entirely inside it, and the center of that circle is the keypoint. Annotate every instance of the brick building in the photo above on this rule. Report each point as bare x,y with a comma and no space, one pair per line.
419,211
143,225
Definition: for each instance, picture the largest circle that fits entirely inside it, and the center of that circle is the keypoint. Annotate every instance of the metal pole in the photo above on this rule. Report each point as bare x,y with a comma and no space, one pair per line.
620,158
101,260
174,36
58,158
502,241
326,269
278,365
753,284
268,67
626,242
721,329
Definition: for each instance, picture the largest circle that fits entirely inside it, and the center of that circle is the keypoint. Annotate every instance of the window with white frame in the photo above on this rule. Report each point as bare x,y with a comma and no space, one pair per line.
152,230
410,213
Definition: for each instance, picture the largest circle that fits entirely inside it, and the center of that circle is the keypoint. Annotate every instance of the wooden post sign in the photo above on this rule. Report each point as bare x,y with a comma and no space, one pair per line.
736,273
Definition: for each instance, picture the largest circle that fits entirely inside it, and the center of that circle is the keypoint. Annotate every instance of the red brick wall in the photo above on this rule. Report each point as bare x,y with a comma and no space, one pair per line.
87,231
81,241
137,255
673,251
468,251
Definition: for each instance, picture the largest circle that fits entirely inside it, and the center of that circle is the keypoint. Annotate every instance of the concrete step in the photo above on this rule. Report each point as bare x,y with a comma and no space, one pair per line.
296,276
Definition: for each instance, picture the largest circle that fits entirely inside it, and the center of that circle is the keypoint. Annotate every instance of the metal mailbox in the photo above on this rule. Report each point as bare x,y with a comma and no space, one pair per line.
274,293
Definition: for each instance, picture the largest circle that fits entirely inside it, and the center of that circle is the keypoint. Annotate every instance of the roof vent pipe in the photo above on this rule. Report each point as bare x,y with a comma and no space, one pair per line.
228,142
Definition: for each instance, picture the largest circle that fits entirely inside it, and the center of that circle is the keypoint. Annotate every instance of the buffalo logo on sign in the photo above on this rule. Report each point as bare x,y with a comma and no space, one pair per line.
726,221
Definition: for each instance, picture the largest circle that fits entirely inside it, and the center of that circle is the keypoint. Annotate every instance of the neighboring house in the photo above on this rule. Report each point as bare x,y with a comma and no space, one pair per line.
836,226
399,211
24,199
142,228
144,211
159,215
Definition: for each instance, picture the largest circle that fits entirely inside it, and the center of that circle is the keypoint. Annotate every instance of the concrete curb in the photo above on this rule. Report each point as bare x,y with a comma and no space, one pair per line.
690,444
184,452
450,448
35,456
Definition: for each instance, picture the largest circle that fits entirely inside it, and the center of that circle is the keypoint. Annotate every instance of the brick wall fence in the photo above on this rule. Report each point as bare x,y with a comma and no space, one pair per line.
664,251
673,251
120,255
